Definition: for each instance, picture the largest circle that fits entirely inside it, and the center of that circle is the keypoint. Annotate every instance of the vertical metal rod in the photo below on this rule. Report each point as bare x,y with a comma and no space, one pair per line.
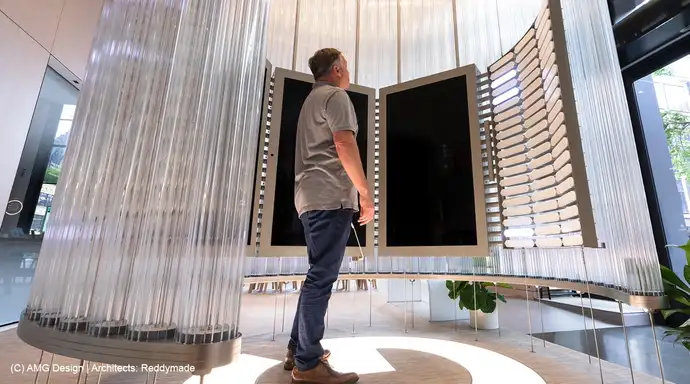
40,360
498,317
155,377
357,37
294,41
148,375
455,309
282,325
399,42
275,301
455,33
627,342
412,302
541,315
591,313
354,305
201,379
584,320
405,313
656,347
81,369
405,282
100,372
529,317
86,372
52,356
476,307
359,245
370,288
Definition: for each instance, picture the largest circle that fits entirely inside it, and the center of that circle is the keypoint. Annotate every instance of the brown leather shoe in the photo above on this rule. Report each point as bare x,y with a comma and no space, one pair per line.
289,362
323,374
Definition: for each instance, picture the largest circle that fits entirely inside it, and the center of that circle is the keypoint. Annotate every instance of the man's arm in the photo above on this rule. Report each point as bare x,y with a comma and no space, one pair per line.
346,146
343,123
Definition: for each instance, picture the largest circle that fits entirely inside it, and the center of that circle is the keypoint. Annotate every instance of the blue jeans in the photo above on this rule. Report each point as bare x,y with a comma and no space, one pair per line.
326,234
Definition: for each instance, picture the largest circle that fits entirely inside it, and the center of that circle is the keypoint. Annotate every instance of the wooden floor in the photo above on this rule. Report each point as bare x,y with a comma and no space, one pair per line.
261,359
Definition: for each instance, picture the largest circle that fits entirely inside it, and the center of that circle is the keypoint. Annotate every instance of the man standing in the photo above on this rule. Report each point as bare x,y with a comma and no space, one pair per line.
328,176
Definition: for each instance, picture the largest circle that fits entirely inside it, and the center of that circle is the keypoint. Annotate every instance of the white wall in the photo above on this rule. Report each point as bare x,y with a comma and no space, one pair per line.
30,32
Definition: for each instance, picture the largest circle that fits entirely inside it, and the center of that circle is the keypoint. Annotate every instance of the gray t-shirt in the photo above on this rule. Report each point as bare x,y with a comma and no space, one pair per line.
320,179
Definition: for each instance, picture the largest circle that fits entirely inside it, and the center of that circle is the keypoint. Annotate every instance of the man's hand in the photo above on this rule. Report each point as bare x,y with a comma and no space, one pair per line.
366,209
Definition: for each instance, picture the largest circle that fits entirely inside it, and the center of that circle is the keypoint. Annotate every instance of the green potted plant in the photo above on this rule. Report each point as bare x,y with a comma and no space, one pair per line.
480,301
679,291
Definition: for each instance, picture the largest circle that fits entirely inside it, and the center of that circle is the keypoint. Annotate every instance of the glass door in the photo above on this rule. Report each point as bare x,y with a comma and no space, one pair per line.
29,206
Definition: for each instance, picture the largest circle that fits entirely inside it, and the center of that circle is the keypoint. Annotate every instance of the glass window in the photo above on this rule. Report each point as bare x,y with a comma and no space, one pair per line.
673,98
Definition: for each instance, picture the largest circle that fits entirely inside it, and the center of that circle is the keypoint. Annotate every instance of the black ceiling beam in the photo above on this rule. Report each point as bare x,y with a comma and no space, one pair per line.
649,29
641,20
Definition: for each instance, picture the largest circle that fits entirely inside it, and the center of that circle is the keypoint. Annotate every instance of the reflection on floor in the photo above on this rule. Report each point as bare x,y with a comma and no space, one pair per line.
17,265
604,310
611,342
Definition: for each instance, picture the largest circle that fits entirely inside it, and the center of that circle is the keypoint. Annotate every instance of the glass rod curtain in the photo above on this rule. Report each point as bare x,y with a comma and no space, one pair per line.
150,217
485,29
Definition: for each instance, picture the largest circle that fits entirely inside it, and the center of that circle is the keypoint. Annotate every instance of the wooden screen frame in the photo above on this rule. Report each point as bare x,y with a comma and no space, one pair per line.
482,248
265,247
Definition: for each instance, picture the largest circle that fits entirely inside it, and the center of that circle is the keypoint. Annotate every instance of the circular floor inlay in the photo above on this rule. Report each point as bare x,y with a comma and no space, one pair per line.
411,358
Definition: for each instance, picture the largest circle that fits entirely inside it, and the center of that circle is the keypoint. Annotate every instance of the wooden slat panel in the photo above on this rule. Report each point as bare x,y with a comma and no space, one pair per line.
541,161
529,36
536,129
573,241
541,173
508,114
550,217
561,160
501,62
549,242
569,212
567,199
529,48
507,104
564,172
511,131
511,161
544,194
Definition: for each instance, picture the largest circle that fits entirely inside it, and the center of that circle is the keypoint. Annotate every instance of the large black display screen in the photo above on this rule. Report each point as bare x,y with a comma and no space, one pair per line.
251,232
287,228
429,177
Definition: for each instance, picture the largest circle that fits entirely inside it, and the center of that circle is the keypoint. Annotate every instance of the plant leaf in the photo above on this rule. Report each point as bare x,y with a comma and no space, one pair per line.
489,306
467,299
686,248
670,278
669,312
483,300
678,295
501,297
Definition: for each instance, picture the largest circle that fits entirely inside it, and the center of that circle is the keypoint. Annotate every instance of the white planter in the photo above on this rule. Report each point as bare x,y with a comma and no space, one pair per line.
484,320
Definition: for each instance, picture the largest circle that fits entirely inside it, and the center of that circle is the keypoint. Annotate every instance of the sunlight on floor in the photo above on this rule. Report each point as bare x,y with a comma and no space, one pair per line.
360,354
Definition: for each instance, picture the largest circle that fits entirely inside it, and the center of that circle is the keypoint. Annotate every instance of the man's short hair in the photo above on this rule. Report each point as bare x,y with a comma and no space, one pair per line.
322,61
